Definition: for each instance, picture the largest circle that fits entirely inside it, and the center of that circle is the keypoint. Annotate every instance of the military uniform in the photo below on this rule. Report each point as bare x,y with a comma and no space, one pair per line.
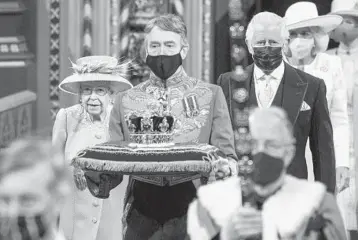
155,207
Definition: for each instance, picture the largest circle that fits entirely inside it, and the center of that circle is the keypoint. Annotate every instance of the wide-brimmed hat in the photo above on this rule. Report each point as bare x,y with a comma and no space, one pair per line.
97,69
305,14
345,7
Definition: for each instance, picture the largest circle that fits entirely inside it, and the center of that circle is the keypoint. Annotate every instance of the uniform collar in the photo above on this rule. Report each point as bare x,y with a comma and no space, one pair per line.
174,80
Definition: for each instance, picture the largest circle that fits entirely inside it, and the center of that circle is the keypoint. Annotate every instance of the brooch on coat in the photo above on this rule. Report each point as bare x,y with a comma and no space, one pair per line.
191,106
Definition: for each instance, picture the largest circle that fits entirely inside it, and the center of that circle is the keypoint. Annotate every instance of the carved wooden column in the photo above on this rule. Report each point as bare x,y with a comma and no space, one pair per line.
102,26
194,23
238,22
87,27
55,14
208,42
16,100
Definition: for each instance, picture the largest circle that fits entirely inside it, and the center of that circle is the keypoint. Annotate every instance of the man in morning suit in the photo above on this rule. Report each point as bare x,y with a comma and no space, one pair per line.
270,81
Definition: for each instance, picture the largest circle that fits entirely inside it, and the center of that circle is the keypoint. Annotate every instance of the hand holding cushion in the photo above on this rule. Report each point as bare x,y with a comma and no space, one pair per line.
100,184
79,178
221,168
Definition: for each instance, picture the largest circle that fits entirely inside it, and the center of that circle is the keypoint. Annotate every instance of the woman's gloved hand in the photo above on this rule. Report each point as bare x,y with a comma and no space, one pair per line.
100,184
79,178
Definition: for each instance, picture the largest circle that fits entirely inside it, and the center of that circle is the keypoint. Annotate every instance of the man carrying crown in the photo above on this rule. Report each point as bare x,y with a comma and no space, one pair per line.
186,109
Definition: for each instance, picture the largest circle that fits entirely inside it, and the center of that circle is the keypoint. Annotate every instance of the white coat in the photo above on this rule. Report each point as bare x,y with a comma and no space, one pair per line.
84,216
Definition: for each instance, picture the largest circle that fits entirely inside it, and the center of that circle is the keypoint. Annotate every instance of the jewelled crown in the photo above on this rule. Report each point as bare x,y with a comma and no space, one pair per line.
151,128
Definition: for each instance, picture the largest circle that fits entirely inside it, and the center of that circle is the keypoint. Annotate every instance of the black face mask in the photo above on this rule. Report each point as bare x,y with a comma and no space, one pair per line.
23,228
267,169
267,58
164,66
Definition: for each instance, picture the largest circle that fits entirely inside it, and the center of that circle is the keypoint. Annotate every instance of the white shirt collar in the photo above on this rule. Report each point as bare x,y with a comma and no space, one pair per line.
277,73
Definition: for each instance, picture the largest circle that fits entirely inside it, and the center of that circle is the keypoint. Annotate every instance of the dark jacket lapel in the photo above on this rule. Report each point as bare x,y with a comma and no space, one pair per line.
294,91
250,86
252,90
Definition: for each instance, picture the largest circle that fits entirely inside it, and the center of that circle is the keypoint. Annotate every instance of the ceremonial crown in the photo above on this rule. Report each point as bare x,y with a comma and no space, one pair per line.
151,128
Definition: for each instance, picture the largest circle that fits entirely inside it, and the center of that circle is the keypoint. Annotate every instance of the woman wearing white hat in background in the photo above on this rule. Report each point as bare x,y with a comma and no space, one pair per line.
347,35
96,78
305,50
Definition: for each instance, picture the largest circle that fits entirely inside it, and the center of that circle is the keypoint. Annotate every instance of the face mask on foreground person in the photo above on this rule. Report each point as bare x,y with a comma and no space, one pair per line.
280,207
33,185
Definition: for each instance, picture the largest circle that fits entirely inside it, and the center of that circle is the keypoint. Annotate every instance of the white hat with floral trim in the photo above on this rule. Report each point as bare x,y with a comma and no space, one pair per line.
97,68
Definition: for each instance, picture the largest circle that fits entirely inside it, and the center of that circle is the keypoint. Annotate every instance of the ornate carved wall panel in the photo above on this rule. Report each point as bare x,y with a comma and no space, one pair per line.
237,24
231,18
16,66
16,116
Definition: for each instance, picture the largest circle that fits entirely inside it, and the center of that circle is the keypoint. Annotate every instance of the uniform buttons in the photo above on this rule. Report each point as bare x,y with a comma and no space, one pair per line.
98,136
94,220
95,204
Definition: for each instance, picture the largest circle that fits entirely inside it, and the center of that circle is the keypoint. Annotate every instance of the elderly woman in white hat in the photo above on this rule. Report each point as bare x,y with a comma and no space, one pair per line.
95,80
305,50
347,35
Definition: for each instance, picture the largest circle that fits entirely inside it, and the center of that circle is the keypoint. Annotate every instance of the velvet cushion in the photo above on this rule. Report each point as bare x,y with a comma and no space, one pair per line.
122,158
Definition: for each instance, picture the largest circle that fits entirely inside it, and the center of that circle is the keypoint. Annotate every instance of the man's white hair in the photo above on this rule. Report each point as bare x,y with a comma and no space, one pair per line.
266,20
273,119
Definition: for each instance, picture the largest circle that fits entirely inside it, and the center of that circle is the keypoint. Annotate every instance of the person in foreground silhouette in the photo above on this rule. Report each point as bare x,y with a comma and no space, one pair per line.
278,205
34,183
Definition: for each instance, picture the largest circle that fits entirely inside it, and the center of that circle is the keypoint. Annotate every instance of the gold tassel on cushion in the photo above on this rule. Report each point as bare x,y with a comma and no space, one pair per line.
144,167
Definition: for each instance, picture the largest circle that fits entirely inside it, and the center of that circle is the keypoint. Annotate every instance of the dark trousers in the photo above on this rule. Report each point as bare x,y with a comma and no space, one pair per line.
140,227
353,235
